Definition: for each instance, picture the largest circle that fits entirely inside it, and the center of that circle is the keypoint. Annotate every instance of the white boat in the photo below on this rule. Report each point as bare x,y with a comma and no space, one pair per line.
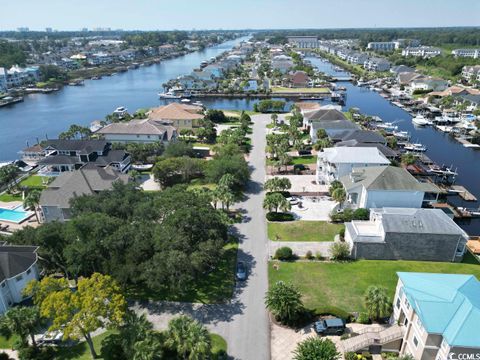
442,170
387,126
168,95
444,128
185,100
404,135
120,111
420,120
415,147
142,167
197,103
470,212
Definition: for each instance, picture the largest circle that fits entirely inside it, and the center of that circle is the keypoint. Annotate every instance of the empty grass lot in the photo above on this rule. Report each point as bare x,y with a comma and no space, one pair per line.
308,159
343,285
303,231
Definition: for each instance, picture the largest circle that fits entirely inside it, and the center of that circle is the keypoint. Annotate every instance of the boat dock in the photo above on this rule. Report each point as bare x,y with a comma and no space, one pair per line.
463,193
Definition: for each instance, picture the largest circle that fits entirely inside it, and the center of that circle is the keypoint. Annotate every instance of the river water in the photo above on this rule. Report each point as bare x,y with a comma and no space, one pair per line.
47,115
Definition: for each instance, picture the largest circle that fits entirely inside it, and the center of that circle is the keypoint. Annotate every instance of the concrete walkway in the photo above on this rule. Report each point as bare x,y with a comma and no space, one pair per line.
300,248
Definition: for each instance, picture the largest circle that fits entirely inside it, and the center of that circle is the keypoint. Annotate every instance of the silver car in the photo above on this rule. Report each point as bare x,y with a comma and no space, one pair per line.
241,273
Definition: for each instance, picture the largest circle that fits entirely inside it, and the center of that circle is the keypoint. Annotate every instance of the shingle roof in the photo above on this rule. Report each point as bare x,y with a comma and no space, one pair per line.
85,181
385,150
324,114
176,111
388,178
447,304
363,136
140,127
308,105
351,155
83,146
334,125
15,260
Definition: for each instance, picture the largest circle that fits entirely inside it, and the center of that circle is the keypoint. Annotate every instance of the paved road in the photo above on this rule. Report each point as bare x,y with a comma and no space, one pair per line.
243,322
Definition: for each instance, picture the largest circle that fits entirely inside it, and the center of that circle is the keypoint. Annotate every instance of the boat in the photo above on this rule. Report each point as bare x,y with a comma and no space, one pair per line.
415,147
197,103
187,95
442,170
185,100
203,64
444,128
96,77
142,167
169,95
420,120
387,126
120,111
404,135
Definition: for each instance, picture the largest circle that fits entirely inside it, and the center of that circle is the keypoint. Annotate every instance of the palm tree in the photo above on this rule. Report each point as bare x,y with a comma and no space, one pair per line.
377,302
284,301
316,348
134,329
188,338
339,195
276,201
22,321
274,118
32,200
150,348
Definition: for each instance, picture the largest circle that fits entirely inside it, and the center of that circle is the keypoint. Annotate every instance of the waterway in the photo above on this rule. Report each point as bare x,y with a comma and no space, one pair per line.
441,148
46,115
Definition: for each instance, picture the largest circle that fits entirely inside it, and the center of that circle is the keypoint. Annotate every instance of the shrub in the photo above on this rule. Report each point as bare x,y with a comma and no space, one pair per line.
366,355
350,355
342,233
340,251
279,216
309,255
284,253
334,311
363,318
361,214
319,255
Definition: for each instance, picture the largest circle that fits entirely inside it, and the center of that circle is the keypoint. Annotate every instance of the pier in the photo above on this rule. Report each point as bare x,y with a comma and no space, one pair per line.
463,193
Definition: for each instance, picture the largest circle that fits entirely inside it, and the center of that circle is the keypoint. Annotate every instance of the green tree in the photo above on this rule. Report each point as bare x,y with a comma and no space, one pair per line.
274,118
32,200
321,134
179,149
22,321
322,144
284,301
276,201
96,303
408,159
8,174
216,116
377,302
335,184
277,184
188,338
339,195
150,348
315,348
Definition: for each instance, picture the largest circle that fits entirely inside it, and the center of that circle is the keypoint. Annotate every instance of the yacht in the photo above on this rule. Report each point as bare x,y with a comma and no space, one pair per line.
120,111
415,147
168,95
185,100
420,120
403,135
197,103
388,126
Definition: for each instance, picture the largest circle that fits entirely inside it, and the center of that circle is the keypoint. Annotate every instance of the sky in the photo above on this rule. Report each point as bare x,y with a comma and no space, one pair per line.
235,14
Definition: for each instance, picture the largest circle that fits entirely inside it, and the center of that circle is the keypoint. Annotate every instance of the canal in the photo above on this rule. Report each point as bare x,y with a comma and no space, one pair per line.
46,115
441,148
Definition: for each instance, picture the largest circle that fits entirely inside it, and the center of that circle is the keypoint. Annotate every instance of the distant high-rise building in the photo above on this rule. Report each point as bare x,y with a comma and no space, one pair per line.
84,29
48,29
23,29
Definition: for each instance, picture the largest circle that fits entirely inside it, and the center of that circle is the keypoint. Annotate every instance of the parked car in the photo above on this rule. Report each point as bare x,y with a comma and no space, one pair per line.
334,326
241,273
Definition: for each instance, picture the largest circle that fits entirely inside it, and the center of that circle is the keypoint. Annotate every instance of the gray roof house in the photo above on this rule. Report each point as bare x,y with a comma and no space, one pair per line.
332,127
385,150
384,186
18,266
55,200
139,131
322,114
362,136
406,234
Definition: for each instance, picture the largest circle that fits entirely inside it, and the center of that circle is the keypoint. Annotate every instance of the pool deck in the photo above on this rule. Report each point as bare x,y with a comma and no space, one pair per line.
12,226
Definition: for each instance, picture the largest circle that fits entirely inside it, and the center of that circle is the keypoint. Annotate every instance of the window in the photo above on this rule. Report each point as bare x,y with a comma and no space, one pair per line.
415,341
19,278
398,303
3,284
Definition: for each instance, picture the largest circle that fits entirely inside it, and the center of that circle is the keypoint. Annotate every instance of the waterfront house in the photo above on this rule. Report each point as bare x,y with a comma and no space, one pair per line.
406,234
18,76
376,64
33,154
440,315
359,135
166,49
385,150
356,57
469,73
299,79
381,46
3,79
331,127
18,266
428,84
401,69
55,199
181,116
385,186
282,63
404,78
70,155
334,163
303,42
307,106
321,114
100,58
421,51
471,53
139,131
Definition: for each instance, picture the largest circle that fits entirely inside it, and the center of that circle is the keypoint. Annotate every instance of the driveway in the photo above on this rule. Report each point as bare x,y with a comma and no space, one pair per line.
300,248
243,322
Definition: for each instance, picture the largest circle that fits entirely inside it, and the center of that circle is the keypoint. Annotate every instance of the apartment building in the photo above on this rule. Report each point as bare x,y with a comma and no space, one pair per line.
382,45
421,51
304,42
472,53
440,314
376,64
469,73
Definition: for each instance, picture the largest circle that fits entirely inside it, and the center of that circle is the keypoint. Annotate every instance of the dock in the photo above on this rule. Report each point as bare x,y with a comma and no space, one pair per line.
463,193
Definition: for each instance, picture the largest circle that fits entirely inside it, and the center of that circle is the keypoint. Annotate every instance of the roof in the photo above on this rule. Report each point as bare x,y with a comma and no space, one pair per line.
406,77
386,178
139,127
385,150
324,114
363,136
308,105
352,155
418,221
447,304
176,111
85,181
83,146
299,77
401,68
35,148
334,125
15,260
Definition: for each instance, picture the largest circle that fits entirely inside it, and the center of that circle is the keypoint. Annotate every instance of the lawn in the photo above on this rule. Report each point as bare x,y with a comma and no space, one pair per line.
303,231
281,89
81,351
34,181
7,343
5,197
342,285
215,287
309,159
218,344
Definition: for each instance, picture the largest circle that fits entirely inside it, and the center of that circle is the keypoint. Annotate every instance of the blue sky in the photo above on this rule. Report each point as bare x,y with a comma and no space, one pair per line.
236,14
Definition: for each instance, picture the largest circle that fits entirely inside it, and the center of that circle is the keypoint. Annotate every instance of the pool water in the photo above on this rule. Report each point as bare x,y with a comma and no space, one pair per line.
17,215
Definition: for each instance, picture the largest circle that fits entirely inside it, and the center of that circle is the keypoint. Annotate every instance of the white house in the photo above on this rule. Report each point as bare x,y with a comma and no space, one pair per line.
384,186
376,64
18,266
139,131
304,42
473,53
382,45
421,51
334,163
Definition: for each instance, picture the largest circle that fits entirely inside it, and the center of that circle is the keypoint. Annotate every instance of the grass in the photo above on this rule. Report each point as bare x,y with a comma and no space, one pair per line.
33,181
7,343
198,184
81,351
219,344
5,197
281,89
303,231
215,287
343,285
309,159
199,144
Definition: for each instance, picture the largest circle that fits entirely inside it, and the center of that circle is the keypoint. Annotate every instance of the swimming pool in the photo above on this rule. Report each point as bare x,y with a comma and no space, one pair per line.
16,215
